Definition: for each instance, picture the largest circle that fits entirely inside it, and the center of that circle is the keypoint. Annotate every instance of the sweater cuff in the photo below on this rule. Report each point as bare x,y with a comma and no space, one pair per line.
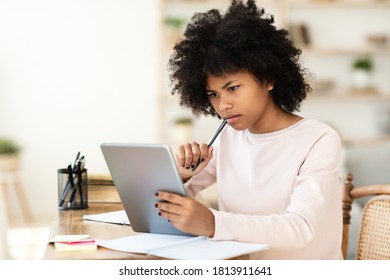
217,225
189,191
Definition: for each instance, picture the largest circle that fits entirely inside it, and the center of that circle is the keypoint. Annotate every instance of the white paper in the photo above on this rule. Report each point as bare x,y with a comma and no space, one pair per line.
204,249
68,237
140,243
114,217
181,247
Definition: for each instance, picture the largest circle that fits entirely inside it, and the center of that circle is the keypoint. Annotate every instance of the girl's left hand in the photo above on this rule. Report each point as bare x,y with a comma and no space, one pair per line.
186,214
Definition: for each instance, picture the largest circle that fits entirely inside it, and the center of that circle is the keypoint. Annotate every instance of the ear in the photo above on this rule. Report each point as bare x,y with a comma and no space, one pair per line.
270,86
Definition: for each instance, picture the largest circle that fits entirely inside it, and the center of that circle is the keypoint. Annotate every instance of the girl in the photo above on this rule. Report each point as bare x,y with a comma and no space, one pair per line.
277,173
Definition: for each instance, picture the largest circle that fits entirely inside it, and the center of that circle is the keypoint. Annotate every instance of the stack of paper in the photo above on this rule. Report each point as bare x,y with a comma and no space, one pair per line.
172,246
66,243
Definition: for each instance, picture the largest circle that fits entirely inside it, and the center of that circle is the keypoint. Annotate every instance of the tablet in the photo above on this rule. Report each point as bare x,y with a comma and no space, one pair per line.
138,172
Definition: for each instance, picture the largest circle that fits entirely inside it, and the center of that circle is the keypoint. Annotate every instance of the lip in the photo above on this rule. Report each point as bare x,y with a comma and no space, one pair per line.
231,118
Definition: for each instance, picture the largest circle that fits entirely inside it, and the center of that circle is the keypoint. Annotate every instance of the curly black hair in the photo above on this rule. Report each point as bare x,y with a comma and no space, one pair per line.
243,39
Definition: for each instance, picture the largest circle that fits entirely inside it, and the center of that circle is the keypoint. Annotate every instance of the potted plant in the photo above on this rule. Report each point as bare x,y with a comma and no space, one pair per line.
362,68
173,28
183,129
9,155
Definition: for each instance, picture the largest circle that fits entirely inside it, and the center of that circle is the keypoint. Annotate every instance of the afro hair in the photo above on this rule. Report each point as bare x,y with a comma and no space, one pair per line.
242,39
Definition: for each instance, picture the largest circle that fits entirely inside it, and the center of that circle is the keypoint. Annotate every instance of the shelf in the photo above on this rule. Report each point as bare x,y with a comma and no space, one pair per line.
344,97
338,4
346,51
366,142
291,4
283,4
194,4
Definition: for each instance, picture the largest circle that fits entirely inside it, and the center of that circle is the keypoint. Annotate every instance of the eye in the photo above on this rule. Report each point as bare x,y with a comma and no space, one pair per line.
212,95
233,88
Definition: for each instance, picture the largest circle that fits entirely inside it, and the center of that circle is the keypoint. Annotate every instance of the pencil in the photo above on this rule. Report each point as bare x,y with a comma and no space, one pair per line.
217,133
212,140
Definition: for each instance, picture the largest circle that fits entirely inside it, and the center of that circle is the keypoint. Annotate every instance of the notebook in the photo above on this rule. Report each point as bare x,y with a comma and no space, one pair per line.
138,172
113,217
181,247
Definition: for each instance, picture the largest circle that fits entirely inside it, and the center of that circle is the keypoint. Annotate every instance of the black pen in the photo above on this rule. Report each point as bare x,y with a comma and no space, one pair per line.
77,182
72,186
213,139
81,164
70,171
66,189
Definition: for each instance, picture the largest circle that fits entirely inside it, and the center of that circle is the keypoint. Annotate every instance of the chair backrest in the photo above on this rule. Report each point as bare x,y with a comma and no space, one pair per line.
373,240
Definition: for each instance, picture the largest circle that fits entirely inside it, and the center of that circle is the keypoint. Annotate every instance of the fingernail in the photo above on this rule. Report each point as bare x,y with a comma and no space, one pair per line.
156,205
187,167
169,221
159,213
192,166
156,193
202,159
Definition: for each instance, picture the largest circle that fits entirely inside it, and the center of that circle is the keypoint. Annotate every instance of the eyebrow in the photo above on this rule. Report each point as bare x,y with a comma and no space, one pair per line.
224,86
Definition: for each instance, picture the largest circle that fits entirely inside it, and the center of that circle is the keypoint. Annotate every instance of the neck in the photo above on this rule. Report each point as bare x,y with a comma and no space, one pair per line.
276,120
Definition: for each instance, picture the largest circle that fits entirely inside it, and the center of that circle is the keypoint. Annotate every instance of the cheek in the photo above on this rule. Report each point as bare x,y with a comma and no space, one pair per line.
258,102
215,103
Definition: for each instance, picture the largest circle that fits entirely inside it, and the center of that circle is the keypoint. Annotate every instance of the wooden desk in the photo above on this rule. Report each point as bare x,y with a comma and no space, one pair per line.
100,199
72,222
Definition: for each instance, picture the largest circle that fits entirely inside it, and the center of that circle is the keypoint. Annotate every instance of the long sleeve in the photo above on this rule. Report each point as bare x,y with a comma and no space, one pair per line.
281,189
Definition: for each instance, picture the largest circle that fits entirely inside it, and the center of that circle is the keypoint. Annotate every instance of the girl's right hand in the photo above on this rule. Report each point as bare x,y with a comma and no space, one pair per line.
192,155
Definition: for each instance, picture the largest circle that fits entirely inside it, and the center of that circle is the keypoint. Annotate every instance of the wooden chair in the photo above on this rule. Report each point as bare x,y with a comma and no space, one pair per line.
374,236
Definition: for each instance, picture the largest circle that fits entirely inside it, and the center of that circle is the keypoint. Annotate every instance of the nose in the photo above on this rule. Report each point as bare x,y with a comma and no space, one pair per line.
224,103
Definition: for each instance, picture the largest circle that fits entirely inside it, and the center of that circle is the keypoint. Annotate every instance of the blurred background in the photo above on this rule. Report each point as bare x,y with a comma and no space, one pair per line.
76,73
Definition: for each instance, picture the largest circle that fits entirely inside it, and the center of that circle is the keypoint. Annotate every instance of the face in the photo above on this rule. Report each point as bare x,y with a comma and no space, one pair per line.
242,100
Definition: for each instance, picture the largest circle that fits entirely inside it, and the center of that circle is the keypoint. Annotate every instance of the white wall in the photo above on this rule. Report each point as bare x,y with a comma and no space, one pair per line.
76,73
73,74
338,35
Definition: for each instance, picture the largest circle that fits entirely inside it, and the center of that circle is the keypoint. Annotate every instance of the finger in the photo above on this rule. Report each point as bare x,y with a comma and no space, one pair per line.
204,152
169,208
185,174
180,156
207,154
171,197
171,217
196,153
188,156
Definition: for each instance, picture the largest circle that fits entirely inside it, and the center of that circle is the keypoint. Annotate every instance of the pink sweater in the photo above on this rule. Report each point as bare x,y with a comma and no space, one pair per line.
280,188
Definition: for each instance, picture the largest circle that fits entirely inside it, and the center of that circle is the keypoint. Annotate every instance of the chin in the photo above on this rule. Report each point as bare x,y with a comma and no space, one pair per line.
238,127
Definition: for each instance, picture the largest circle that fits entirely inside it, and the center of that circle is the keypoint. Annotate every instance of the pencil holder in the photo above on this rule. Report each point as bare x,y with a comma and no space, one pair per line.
72,189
